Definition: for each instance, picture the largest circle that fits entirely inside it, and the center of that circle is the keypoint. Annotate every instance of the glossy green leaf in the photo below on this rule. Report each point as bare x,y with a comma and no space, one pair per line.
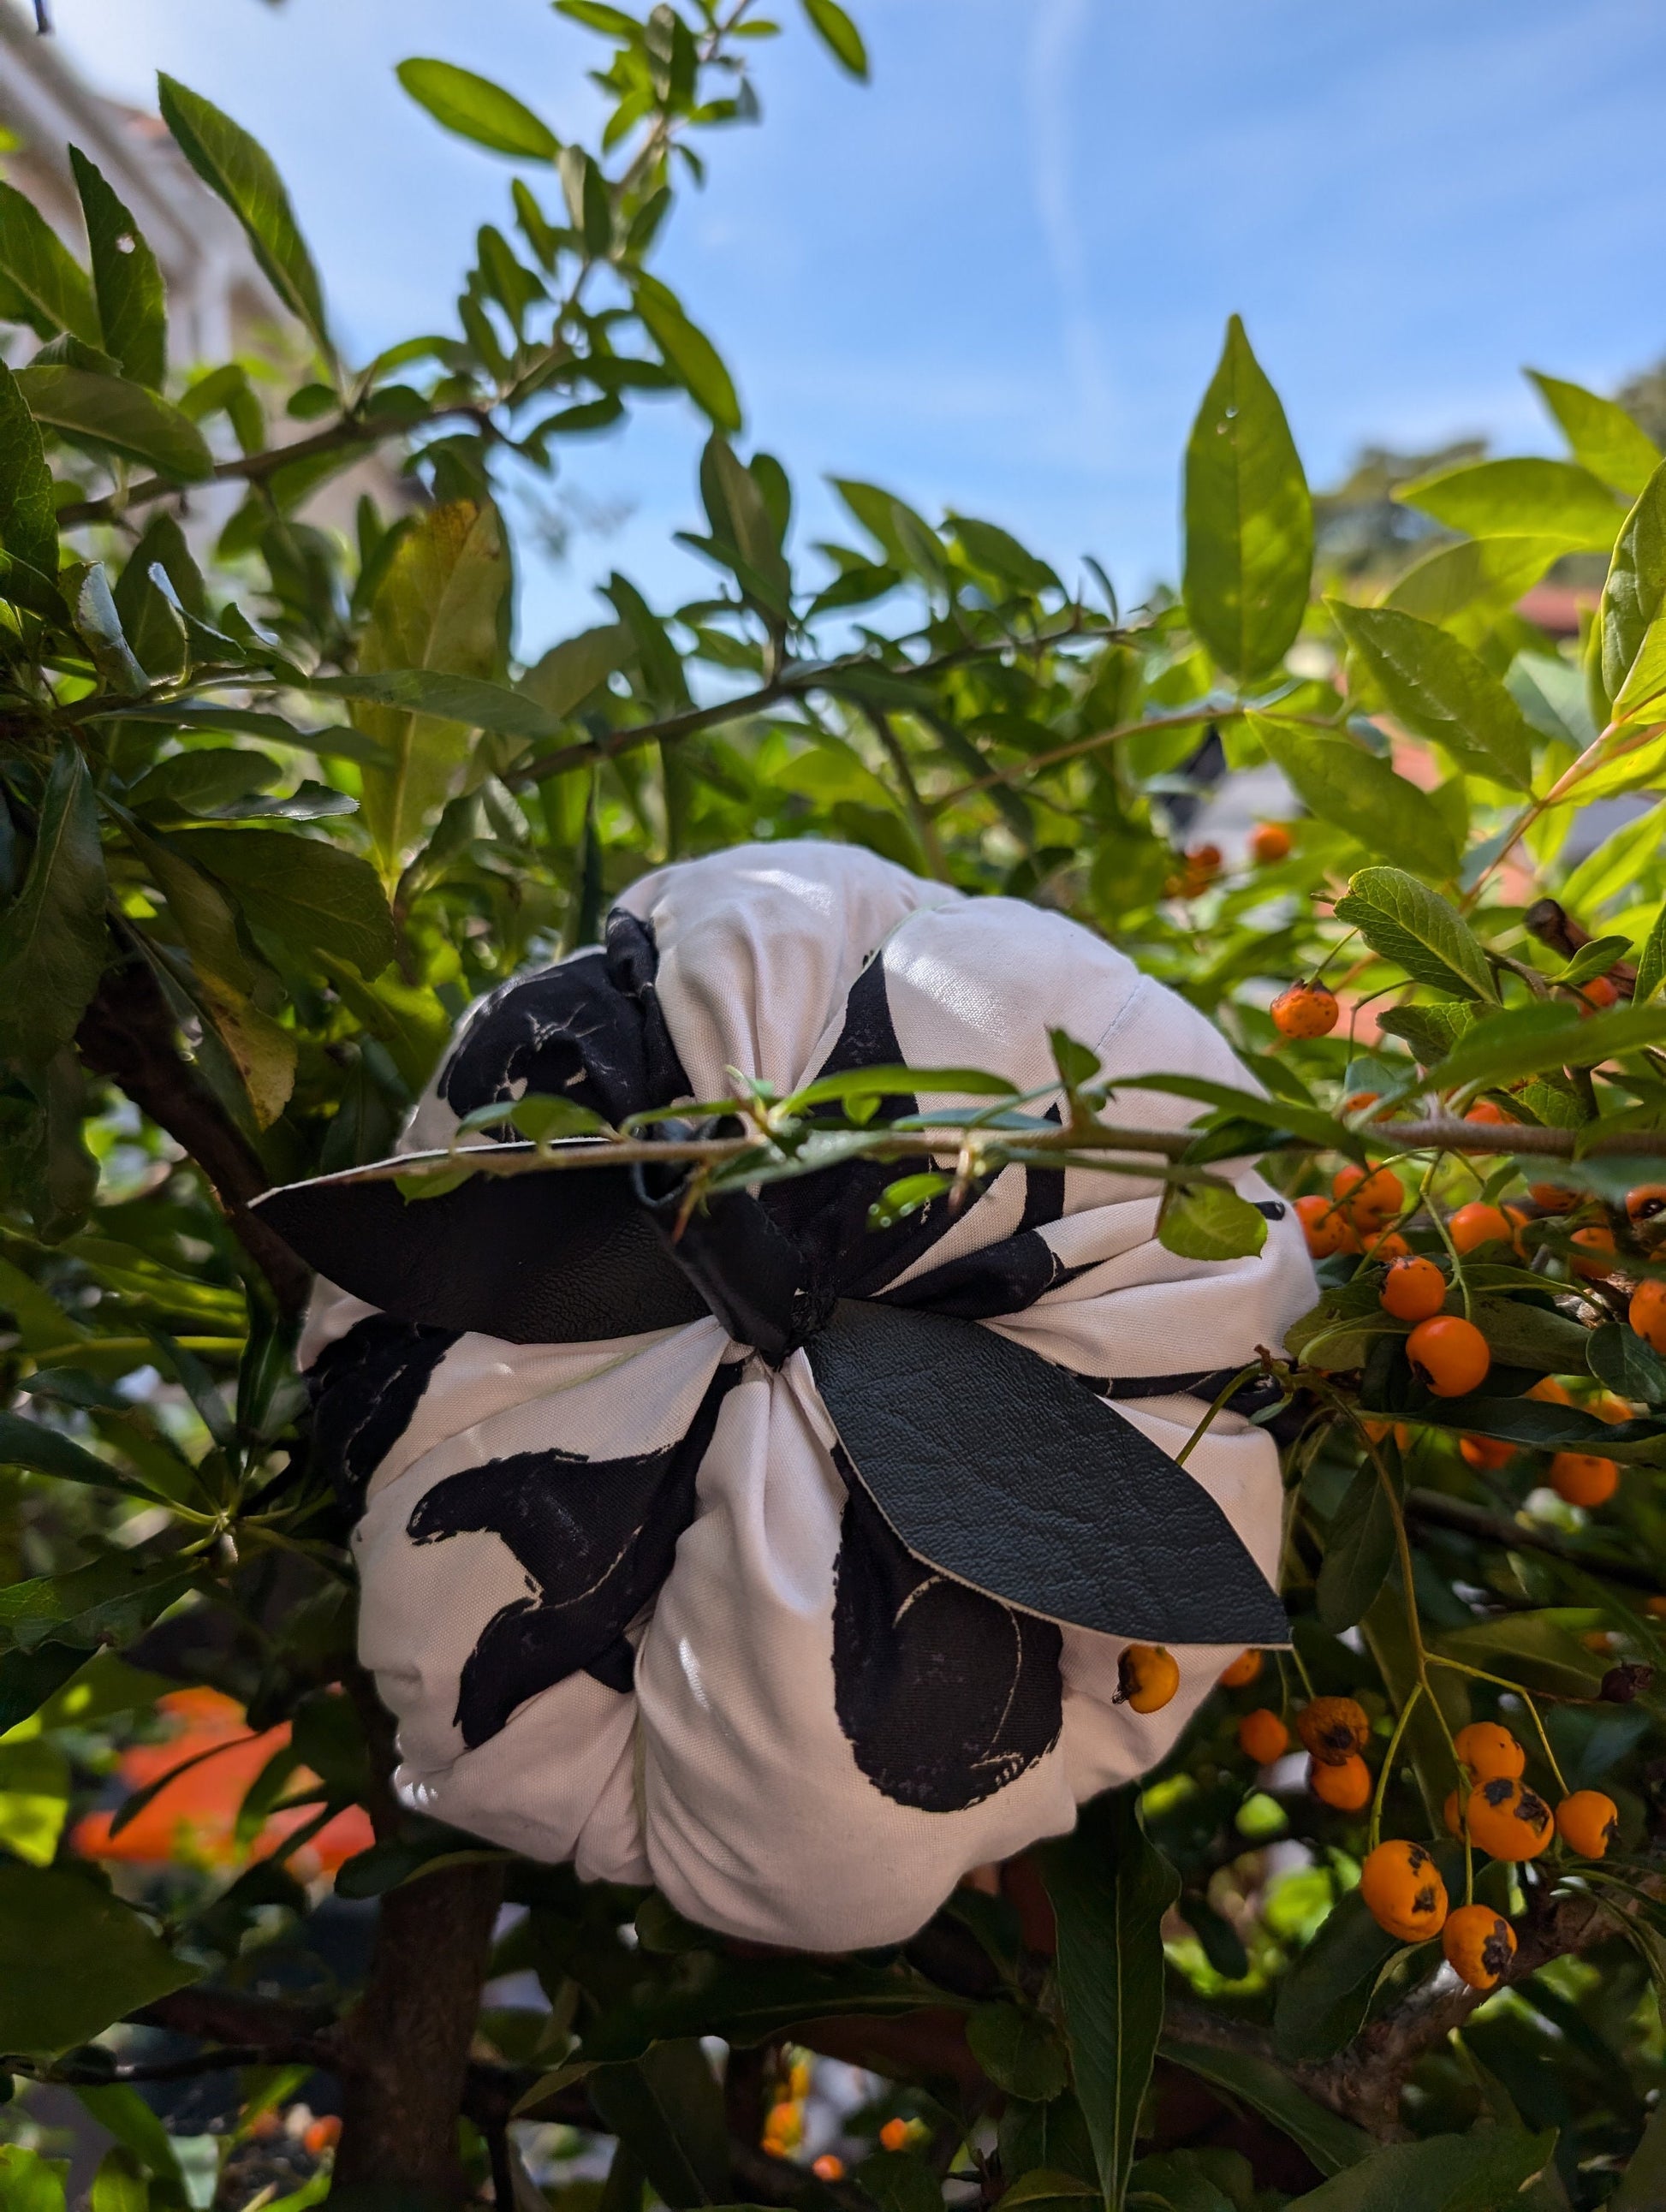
1209,1221
127,283
1477,2172
1605,438
1329,2141
1521,498
570,671
1343,783
1467,588
38,265
1359,1549
73,1959
1321,2000
28,524
52,941
1651,962
101,632
1110,1888
1616,1355
110,411
307,891
239,170
1643,2184
1635,592
439,610
839,35
666,2108
29,2183
1530,1039
1438,689
1180,2181
1537,1649
1418,931
689,352
475,108
1020,2050
1249,518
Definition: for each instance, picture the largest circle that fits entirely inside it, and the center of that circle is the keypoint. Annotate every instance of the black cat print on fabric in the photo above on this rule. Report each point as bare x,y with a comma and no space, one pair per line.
365,1388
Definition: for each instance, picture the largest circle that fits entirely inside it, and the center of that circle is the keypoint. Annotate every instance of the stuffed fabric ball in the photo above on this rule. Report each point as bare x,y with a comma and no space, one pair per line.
781,1561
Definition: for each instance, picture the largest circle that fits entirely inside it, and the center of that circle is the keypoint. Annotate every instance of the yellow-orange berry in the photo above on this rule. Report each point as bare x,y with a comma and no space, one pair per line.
1345,1784
1413,1289
1479,1944
1485,1111
1584,1479
1551,1392
322,2134
1508,1820
830,2167
1599,991
1451,1815
1269,844
1587,1822
1488,1452
1647,1314
1645,1204
1262,1736
1475,1225
1388,1247
1243,1671
1450,1354
1333,1729
1553,1197
1403,1892
1656,1607
1488,1750
1597,1238
894,2136
1305,1009
1372,1199
1147,1678
1327,1228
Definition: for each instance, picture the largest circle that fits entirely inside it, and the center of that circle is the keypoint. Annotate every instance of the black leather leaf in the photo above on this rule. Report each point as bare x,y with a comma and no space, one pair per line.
1001,1470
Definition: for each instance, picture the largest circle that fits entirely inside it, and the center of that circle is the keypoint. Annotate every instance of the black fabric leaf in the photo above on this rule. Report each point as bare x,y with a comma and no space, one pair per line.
365,1387
1000,1468
596,1538
945,1695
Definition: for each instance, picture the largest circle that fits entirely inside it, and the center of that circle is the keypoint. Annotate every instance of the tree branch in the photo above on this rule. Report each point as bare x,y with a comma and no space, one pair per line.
1435,1510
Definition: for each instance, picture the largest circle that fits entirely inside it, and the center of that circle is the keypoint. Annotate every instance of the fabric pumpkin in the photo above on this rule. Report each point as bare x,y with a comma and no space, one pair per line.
786,1566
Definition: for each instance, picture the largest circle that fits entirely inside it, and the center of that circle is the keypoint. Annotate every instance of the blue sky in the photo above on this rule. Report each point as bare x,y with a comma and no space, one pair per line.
995,279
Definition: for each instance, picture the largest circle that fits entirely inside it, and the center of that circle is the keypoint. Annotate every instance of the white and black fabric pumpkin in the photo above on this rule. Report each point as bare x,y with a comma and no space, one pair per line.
787,1566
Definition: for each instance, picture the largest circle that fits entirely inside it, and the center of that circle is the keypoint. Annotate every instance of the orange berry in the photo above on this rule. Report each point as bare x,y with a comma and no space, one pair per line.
1269,844
1553,1197
1587,1822
1475,1225
1389,1247
1489,1750
324,2135
1372,1198
1263,1737
1449,1813
1479,1944
1484,1111
1333,1729
1607,1407
1450,1354
1357,1101
1147,1678
1647,1314
1305,1009
1485,1452
267,2126
1597,1238
1645,1203
894,2136
1242,1670
1508,1820
1582,1479
1549,1392
1599,991
1403,1892
1656,1607
1344,1785
1414,1290
1325,1226
827,2167
1598,1639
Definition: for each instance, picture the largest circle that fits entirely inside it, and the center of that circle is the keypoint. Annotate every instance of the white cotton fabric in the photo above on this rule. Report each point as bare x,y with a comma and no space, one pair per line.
725,1778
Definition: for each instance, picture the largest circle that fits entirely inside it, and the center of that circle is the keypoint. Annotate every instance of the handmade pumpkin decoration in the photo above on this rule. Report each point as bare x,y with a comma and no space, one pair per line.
777,1560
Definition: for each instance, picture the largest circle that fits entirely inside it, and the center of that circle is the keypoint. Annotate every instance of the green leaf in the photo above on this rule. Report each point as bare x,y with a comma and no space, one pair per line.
1442,2173
1322,2001
898,2181
1616,1355
239,170
29,2183
37,263
52,942
1359,1548
1340,782
100,627
839,34
689,352
1526,497
1651,962
475,108
46,1451
34,1791
1601,954
668,2111
1467,588
73,1959
566,675
111,412
1329,2141
303,890
1643,2184
1110,1888
439,608
28,521
28,1679
1418,931
119,2185
1438,689
1604,438
749,2001
1209,1221
1537,1649
128,284
1530,1039
1249,520
1635,591
1180,2181
1020,2050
